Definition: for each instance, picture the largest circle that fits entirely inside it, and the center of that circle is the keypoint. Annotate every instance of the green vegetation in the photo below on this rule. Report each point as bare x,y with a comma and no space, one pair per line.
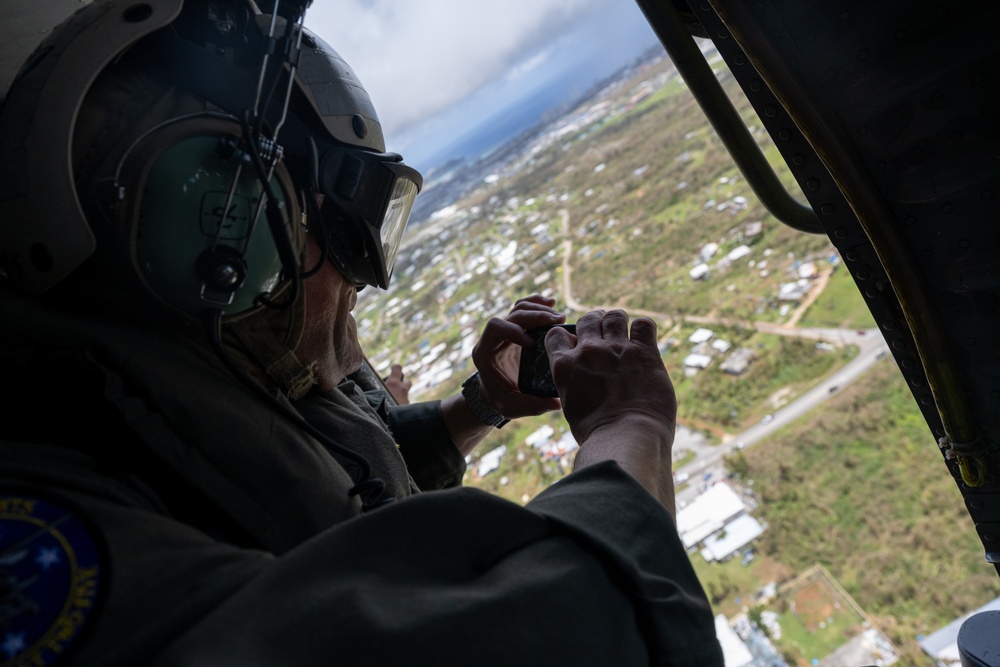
730,586
840,305
522,473
784,368
683,460
806,643
861,488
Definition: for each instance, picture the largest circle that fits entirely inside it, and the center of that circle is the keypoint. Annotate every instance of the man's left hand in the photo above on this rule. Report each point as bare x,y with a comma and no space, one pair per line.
497,357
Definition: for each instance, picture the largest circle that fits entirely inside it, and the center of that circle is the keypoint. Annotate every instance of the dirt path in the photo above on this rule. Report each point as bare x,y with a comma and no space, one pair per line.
814,293
667,320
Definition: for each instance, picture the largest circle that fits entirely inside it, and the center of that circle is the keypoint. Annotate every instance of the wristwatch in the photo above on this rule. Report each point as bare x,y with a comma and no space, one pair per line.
485,414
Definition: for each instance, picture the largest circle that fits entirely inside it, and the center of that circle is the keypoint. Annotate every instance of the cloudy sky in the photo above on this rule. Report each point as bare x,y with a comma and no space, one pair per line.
420,59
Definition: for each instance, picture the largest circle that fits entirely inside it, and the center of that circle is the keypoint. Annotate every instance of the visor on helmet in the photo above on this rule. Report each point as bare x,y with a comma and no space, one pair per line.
373,193
368,193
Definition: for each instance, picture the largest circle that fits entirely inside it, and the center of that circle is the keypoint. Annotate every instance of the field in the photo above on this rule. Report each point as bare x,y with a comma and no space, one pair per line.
839,306
814,621
861,488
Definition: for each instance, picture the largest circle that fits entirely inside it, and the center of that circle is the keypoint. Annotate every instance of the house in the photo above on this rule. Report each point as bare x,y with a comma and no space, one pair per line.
698,361
717,520
720,345
699,272
490,461
559,448
752,230
738,533
793,291
738,362
700,336
942,645
734,652
739,252
540,436
708,514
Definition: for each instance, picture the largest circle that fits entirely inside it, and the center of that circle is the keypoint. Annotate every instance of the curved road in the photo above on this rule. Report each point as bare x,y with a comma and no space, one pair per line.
708,458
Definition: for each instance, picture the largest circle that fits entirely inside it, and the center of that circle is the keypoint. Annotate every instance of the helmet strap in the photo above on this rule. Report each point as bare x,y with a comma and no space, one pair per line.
272,354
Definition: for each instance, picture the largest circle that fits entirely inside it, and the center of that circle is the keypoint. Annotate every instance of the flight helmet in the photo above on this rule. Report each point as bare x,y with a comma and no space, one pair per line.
192,140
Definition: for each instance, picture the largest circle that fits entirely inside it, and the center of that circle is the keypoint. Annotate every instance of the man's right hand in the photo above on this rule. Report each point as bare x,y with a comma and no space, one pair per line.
617,396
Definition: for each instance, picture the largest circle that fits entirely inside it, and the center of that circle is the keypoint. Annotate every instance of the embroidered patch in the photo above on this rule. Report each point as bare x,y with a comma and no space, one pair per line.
52,575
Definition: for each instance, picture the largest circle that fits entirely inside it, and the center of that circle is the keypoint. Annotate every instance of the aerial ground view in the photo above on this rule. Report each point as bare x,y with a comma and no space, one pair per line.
809,488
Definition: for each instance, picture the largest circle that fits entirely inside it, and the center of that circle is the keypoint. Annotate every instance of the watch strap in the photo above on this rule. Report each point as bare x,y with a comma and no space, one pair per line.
485,414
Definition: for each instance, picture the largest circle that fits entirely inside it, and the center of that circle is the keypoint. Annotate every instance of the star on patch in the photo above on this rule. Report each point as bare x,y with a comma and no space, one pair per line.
13,644
48,557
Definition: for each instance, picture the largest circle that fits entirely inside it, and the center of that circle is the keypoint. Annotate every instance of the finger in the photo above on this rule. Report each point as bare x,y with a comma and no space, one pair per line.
557,340
644,331
531,319
396,371
615,326
497,332
531,306
536,299
589,326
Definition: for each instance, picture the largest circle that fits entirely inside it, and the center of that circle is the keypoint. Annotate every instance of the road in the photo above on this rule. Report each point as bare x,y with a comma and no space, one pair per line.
708,458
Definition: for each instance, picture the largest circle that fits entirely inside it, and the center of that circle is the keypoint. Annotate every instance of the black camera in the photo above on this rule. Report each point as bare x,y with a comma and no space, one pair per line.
535,376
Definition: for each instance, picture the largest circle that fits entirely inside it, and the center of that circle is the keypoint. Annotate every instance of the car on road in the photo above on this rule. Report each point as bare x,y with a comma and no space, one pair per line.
681,477
767,419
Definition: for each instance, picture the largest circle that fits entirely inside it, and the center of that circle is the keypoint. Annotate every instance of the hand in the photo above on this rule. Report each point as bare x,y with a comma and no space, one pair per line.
603,376
397,385
617,396
497,357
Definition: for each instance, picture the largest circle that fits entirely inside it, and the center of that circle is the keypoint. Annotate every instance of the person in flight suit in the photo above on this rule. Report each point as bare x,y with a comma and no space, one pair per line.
194,469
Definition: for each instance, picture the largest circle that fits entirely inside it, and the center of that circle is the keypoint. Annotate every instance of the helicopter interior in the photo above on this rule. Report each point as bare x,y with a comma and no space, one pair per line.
888,116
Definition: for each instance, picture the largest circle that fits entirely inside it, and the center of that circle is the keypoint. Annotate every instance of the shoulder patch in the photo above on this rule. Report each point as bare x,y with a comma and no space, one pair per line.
52,576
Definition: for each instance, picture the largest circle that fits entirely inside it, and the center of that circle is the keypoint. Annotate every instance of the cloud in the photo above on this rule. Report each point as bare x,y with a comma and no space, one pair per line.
419,57
527,66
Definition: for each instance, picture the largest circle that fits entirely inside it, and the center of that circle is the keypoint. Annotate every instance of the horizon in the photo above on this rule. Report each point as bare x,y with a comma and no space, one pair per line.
546,66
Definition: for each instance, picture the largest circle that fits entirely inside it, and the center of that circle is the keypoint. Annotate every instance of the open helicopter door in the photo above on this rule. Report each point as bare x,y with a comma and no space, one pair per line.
888,115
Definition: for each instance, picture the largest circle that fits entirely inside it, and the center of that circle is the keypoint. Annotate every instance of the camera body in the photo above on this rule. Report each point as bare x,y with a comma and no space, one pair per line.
534,375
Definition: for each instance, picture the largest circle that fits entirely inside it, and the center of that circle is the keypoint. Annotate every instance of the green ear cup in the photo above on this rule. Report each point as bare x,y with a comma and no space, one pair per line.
189,250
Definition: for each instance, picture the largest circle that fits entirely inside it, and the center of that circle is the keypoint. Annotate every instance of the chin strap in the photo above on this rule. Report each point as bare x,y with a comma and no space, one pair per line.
263,345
